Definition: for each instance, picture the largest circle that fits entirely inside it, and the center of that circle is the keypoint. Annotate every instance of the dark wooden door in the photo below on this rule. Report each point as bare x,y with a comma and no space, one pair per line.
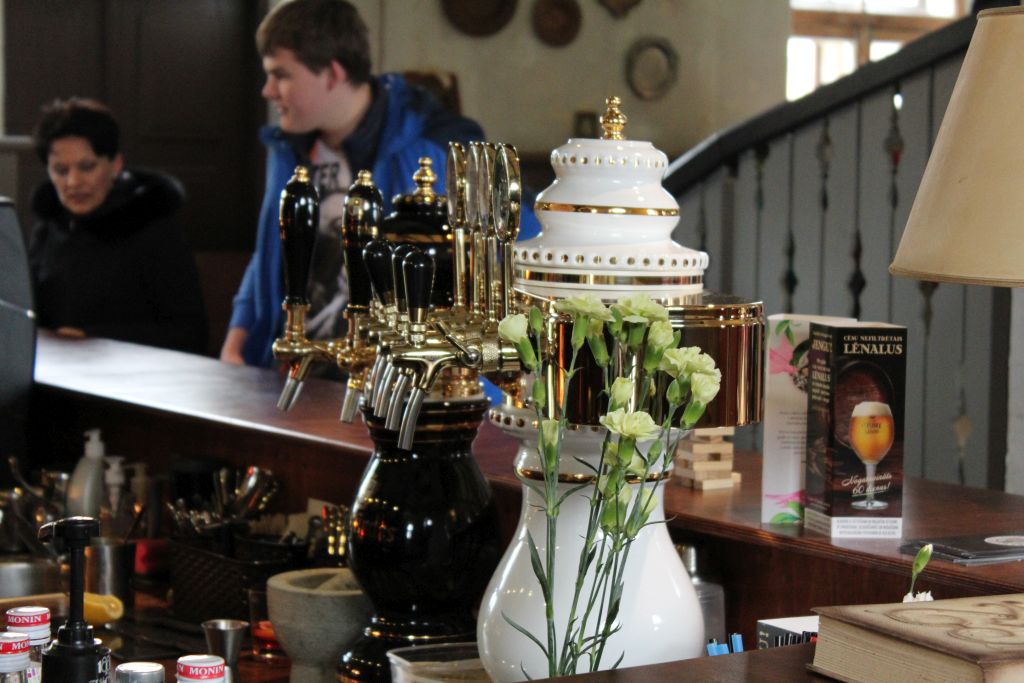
183,78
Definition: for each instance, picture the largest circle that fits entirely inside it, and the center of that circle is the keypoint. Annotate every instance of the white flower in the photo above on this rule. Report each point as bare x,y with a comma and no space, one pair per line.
640,309
584,306
923,596
660,336
676,362
702,362
704,385
638,425
621,392
512,328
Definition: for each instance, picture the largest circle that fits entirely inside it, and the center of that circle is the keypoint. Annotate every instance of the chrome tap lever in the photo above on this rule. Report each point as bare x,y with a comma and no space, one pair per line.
506,206
486,155
455,188
394,413
350,404
412,414
476,158
382,393
297,372
374,377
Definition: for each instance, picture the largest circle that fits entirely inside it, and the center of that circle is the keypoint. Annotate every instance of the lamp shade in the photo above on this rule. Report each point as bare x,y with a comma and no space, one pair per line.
967,222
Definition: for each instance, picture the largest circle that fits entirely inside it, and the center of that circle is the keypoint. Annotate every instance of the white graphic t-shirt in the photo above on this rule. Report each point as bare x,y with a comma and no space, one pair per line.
328,288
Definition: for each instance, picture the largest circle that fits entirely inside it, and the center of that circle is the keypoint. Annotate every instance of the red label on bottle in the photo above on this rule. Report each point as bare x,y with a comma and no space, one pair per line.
13,644
31,620
200,672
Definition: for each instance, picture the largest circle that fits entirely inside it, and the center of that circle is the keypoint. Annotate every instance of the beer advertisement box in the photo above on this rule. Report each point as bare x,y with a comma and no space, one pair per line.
855,412
784,447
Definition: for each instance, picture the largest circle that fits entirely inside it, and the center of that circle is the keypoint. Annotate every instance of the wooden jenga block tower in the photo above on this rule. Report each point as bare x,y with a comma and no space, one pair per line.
704,459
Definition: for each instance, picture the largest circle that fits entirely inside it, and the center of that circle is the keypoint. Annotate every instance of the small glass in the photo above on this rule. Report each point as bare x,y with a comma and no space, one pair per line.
264,641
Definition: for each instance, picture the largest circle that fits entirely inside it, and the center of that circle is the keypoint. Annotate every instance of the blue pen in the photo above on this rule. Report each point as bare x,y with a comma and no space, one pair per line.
737,642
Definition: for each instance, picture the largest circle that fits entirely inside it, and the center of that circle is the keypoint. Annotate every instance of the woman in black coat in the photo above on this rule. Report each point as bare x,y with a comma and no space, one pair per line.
108,258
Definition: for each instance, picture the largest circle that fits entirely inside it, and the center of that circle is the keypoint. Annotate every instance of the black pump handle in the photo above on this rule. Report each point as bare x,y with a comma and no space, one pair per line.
418,272
377,259
398,256
299,221
364,211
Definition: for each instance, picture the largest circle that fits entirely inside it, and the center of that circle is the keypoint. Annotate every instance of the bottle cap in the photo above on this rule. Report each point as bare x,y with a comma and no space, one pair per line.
114,474
139,672
13,651
201,668
32,621
94,444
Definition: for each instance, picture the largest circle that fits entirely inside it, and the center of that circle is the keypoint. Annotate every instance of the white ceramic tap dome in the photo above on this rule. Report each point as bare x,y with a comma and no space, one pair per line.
607,221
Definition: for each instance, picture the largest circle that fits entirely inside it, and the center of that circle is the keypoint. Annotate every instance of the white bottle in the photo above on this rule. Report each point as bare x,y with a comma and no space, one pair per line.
85,490
35,623
200,669
13,657
116,514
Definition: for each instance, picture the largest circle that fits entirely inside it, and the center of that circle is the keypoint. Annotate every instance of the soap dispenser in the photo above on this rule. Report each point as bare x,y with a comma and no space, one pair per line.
85,490
116,514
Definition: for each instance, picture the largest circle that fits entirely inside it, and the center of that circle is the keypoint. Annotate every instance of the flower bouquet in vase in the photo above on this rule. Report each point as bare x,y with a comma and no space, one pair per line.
591,580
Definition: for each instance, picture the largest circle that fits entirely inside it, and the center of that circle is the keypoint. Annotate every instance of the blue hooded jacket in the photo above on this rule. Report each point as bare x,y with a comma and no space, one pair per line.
413,125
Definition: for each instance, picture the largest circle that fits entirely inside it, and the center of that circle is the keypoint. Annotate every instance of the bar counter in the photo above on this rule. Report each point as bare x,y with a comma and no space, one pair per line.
155,405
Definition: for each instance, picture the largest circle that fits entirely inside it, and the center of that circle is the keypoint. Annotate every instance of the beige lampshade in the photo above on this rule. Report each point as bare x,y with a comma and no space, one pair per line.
967,222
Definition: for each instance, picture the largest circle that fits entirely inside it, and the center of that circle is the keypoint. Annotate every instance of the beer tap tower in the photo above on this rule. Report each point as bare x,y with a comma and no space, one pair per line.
424,534
607,224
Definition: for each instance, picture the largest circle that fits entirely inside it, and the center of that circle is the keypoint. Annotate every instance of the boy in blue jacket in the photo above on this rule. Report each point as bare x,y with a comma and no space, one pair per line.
336,118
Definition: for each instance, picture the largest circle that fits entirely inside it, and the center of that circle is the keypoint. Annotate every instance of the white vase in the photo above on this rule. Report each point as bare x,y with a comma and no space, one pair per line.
660,614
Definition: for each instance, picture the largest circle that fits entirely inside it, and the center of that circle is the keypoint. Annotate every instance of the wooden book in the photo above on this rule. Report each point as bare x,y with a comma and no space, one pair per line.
954,641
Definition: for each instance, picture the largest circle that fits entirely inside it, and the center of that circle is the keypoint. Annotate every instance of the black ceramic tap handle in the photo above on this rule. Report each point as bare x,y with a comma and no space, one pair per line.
418,270
299,221
398,256
364,211
377,259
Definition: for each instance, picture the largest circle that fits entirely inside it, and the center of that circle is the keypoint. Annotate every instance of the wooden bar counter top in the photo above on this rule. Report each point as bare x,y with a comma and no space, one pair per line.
156,405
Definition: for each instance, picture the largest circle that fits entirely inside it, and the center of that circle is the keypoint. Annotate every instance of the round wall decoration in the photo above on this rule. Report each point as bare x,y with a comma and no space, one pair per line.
556,22
651,65
479,17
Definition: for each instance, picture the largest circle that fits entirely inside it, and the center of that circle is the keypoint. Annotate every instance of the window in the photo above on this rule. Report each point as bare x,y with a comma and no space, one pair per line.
831,38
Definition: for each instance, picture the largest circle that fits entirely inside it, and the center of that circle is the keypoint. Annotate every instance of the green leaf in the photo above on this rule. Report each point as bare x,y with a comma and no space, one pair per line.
920,562
526,633
540,394
781,326
694,411
790,336
579,333
785,518
538,567
796,506
536,321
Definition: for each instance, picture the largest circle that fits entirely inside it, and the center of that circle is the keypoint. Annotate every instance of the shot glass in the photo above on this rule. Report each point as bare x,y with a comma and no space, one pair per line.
264,641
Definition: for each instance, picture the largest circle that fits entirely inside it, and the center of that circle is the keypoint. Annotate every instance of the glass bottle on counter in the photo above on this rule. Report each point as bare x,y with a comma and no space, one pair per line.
13,657
139,672
710,594
200,669
35,623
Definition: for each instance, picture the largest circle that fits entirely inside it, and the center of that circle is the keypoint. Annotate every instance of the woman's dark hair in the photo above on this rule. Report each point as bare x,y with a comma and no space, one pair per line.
318,32
77,117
